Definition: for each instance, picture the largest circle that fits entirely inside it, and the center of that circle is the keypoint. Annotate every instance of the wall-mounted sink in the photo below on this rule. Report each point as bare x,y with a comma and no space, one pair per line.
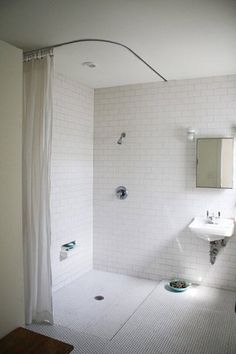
222,228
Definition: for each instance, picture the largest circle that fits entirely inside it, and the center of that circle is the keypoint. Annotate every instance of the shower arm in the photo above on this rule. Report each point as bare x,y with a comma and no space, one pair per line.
99,40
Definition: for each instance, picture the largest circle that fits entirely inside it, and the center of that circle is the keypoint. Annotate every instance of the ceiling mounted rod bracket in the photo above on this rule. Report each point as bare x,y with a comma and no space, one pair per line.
104,41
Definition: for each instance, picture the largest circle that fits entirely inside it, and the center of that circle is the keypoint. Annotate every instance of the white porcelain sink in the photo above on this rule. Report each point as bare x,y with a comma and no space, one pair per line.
212,232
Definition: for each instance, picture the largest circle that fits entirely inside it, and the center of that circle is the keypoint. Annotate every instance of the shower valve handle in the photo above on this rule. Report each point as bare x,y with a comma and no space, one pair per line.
121,192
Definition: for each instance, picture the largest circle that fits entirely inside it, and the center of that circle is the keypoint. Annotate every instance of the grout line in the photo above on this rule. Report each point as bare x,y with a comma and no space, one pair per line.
134,312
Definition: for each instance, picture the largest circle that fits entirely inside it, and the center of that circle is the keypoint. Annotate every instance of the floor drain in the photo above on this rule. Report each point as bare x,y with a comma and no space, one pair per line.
99,297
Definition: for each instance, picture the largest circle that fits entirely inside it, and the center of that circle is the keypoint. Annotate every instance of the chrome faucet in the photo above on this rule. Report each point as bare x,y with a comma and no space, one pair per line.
212,219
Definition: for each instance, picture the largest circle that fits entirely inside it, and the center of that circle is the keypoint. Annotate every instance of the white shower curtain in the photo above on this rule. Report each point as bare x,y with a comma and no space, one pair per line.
37,137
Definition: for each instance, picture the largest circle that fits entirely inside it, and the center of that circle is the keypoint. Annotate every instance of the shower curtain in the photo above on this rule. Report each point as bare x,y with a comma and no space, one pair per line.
37,137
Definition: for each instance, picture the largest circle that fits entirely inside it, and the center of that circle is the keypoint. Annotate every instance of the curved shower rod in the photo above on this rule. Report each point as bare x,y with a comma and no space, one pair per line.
104,41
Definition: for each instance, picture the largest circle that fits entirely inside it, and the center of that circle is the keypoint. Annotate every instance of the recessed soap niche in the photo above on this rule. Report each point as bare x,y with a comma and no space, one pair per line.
68,249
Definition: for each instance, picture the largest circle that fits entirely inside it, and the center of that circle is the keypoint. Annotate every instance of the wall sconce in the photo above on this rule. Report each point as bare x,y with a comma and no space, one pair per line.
191,134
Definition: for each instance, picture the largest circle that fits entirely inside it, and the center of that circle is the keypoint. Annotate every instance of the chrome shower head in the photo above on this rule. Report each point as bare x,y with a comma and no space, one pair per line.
123,135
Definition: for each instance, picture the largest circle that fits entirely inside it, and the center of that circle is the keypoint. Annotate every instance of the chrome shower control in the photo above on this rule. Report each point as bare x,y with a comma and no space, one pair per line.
121,192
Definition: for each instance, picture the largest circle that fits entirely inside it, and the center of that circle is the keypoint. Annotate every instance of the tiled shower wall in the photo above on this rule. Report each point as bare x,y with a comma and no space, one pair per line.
146,235
72,178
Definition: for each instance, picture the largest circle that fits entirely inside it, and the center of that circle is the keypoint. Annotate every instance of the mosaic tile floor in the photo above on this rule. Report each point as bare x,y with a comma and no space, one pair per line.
141,316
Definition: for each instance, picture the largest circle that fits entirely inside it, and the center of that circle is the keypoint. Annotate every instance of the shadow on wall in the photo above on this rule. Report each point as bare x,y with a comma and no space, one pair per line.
184,256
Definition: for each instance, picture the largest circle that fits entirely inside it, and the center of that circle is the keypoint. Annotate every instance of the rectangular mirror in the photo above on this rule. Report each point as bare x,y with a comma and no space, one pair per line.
215,162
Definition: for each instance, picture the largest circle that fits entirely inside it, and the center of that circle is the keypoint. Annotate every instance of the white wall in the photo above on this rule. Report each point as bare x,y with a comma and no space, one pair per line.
146,235
72,178
11,260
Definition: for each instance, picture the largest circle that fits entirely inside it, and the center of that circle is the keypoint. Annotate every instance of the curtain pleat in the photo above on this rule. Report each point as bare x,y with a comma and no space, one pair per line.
37,138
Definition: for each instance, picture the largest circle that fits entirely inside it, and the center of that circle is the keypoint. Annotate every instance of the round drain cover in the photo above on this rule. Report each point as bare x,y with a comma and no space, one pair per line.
99,297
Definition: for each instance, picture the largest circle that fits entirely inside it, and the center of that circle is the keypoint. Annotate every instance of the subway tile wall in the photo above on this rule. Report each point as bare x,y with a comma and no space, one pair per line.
146,235
72,178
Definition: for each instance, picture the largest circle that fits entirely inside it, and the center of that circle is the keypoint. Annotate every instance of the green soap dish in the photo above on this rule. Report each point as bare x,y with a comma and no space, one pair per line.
179,285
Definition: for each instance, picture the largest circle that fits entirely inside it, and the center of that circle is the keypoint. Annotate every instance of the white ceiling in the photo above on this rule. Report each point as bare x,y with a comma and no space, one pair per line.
179,38
115,65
